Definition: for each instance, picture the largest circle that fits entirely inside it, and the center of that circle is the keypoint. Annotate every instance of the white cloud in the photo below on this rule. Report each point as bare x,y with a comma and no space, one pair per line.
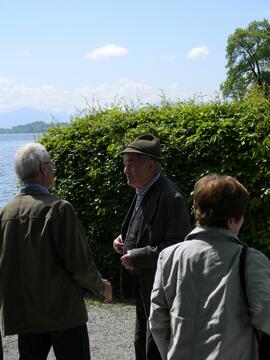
200,52
106,51
4,84
124,90
49,98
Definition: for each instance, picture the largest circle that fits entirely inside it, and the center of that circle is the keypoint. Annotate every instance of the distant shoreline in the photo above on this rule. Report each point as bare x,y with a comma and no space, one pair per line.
32,128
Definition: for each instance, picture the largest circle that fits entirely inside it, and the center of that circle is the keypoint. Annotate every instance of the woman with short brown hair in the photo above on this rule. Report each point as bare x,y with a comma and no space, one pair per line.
217,198
198,307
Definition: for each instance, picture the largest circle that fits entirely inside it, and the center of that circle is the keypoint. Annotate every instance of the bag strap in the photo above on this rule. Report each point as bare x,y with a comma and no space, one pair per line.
242,267
242,271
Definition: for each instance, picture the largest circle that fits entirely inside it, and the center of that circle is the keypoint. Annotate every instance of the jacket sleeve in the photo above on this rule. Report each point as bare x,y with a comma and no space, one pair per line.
159,320
258,289
170,226
73,248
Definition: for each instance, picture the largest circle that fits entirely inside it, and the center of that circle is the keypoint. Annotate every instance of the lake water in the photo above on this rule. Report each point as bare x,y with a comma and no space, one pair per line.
9,144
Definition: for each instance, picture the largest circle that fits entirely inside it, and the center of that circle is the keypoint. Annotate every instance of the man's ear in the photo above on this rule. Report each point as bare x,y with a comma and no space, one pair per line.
152,165
42,169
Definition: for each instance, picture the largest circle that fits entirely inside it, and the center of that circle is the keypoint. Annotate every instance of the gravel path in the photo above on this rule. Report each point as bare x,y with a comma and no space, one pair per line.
110,328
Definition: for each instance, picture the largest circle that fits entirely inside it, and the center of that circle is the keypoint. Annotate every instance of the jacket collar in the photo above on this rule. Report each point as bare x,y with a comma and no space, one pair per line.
211,233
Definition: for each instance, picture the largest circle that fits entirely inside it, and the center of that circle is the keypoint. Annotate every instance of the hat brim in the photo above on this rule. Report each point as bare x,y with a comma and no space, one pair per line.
130,150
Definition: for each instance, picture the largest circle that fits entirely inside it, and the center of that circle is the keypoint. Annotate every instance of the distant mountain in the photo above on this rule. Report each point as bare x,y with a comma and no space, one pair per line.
26,115
34,128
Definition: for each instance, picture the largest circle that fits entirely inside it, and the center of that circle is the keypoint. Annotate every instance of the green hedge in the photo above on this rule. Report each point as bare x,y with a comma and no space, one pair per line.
228,138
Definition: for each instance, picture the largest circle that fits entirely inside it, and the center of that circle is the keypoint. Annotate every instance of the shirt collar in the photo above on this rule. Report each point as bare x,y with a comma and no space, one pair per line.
141,192
33,186
146,187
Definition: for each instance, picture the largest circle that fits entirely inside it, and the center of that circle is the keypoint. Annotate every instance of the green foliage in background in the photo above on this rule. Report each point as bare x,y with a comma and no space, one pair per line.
248,60
228,138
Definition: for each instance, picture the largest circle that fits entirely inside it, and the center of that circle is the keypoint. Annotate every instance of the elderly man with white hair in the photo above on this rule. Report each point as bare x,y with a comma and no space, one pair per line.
45,264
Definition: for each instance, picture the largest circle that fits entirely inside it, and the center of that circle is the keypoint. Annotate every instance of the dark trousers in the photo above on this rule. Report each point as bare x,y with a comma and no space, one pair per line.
145,346
69,344
1,348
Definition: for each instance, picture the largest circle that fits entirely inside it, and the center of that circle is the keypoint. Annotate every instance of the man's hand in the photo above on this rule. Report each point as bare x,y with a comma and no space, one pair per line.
127,261
107,291
118,244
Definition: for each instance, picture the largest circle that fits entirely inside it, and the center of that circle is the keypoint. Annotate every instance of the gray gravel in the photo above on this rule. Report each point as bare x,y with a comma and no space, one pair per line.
110,327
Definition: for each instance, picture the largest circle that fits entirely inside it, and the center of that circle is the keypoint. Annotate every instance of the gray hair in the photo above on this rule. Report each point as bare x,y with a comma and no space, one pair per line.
27,161
145,158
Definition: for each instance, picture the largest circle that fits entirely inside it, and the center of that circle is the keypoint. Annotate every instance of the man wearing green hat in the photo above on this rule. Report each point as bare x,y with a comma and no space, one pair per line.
157,218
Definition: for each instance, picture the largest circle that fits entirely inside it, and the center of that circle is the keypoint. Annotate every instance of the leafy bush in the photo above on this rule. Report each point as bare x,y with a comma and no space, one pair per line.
228,138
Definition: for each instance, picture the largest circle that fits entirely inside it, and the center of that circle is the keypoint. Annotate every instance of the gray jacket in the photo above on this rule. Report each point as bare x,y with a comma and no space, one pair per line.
198,309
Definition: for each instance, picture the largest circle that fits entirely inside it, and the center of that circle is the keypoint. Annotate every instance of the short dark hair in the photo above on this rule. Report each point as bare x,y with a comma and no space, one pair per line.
218,198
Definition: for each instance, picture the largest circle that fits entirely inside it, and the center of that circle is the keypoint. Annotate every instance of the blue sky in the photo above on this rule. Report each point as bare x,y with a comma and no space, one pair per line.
60,55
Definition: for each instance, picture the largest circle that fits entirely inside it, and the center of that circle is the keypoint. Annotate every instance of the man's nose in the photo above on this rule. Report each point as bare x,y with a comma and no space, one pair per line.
126,165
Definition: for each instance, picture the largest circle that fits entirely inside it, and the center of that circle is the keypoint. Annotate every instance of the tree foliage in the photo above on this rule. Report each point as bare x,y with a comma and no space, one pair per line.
230,138
248,60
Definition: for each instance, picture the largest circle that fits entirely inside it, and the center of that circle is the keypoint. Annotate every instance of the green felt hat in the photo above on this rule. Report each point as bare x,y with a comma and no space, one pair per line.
146,144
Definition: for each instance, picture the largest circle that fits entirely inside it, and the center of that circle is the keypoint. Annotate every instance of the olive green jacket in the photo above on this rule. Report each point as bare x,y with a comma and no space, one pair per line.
45,263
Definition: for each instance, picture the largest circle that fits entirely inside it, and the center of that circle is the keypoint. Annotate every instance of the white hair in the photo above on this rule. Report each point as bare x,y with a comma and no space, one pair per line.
27,161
